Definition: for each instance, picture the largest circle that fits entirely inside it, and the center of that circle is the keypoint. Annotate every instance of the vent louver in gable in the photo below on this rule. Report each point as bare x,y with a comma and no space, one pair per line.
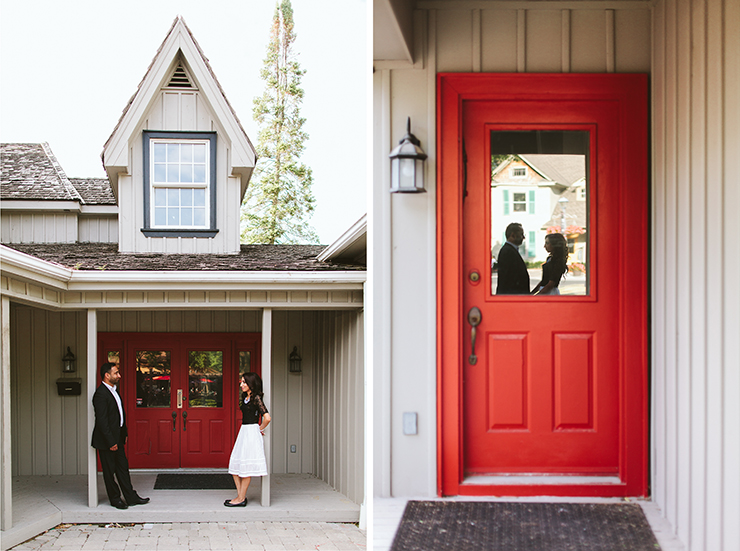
180,79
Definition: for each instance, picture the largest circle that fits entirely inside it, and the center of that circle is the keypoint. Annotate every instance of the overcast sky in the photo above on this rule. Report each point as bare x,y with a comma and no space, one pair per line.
68,68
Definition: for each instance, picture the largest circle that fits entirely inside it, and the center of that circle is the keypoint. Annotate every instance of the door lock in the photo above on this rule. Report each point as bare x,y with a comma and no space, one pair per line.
474,318
179,398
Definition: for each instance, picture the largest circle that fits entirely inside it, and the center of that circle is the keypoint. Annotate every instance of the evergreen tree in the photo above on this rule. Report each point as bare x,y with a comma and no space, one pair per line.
279,200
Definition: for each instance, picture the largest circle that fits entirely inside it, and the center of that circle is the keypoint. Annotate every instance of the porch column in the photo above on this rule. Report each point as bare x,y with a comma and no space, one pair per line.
267,388
6,481
92,355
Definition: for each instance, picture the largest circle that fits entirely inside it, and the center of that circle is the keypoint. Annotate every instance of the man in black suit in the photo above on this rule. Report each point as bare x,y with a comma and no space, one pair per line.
513,278
109,437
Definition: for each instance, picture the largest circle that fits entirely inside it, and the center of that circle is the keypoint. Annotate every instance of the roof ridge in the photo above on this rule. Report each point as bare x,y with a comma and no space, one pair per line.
62,176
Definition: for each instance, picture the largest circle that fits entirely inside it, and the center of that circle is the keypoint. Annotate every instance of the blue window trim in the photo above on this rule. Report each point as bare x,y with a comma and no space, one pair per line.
147,230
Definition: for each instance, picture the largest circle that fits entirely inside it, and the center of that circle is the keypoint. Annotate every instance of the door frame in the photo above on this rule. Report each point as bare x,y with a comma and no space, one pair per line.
629,91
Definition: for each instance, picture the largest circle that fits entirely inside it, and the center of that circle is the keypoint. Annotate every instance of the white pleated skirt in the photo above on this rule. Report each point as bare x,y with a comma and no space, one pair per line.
248,455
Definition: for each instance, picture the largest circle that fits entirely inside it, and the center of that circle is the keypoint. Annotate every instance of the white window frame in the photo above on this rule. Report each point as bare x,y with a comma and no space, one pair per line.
153,186
514,202
514,175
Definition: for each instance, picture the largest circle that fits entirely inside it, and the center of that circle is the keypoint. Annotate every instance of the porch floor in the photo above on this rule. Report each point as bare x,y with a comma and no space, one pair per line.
42,502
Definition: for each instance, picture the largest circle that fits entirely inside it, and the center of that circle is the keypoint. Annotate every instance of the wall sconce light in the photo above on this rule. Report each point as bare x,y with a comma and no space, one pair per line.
407,164
295,361
68,362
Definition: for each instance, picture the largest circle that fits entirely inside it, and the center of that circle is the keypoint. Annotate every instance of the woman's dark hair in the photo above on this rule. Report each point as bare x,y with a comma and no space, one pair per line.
254,383
559,251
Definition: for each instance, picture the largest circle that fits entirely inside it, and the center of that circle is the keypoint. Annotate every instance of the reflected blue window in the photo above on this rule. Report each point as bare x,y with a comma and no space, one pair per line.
200,216
186,218
160,197
199,153
160,216
173,152
199,197
186,197
160,152
186,153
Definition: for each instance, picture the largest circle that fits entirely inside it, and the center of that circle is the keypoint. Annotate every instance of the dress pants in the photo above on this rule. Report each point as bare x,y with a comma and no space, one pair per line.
115,463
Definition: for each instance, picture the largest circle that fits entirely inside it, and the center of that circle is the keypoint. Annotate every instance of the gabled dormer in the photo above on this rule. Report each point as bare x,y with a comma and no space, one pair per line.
179,160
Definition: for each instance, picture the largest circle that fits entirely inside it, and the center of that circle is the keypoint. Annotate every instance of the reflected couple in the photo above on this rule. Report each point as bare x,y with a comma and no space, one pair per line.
513,277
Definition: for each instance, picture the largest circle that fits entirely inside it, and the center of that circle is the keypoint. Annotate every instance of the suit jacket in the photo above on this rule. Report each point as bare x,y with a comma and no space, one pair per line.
513,278
108,430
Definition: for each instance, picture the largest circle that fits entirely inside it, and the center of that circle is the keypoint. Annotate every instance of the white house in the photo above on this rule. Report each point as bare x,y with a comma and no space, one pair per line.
146,269
654,86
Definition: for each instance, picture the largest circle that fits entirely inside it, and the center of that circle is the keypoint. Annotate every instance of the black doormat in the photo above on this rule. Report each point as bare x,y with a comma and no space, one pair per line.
194,481
485,526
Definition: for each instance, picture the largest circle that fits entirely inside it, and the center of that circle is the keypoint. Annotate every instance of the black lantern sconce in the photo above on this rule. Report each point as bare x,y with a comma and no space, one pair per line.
407,164
68,362
295,361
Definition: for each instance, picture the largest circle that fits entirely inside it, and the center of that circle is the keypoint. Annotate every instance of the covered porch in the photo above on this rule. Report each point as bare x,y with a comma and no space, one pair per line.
42,502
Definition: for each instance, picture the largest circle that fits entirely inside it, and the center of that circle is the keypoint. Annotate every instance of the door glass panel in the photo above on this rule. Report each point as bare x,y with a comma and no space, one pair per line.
153,372
114,357
245,366
540,180
206,379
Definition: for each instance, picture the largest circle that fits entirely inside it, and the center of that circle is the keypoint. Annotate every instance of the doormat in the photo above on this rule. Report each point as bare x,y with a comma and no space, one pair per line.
194,481
468,525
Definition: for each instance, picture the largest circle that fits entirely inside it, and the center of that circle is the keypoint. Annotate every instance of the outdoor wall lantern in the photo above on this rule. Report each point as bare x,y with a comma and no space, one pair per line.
407,164
68,362
295,361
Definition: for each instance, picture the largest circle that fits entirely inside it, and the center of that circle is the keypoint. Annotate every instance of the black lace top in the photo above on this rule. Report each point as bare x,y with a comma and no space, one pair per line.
252,408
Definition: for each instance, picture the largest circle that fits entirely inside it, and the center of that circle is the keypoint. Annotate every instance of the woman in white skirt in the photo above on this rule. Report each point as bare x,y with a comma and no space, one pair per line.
248,456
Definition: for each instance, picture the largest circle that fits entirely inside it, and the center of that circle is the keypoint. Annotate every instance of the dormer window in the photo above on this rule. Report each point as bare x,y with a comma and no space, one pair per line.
179,184
519,172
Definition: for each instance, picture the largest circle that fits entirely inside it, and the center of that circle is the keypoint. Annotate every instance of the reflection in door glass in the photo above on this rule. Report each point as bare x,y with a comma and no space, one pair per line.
539,180
206,379
114,357
153,374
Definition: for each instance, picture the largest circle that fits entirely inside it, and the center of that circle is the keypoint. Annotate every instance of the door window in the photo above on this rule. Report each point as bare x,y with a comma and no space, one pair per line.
153,378
206,379
540,180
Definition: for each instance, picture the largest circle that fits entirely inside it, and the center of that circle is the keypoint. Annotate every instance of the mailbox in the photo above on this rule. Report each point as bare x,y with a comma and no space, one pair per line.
69,387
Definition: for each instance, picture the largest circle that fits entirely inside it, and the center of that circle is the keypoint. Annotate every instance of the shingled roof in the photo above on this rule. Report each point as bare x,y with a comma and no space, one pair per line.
31,171
563,169
94,191
105,256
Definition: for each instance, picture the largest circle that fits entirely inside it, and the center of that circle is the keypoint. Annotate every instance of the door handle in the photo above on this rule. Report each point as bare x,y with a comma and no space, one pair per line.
174,421
474,318
184,420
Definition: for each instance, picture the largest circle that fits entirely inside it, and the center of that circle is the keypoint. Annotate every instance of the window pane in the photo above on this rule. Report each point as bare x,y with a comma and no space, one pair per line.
199,153
153,379
173,216
205,373
245,361
199,197
199,217
186,197
186,217
160,216
186,173
160,198
160,173
199,173
173,197
160,151
551,198
186,153
173,173
173,152
114,357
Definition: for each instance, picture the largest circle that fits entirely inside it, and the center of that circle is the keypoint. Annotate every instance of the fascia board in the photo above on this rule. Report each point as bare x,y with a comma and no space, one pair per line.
346,240
99,209
200,280
30,268
26,205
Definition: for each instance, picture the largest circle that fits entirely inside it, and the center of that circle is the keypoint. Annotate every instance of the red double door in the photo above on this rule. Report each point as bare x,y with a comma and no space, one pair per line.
180,393
537,386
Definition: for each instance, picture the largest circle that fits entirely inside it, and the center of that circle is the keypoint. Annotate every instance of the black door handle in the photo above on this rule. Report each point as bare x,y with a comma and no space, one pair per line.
174,421
184,420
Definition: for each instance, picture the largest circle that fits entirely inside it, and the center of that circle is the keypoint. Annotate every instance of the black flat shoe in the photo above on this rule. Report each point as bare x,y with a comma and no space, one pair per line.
140,501
240,504
119,504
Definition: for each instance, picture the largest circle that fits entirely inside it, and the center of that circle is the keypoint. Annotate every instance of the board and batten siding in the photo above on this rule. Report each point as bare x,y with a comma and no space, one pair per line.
695,462
339,390
49,432
552,37
38,227
179,111
98,229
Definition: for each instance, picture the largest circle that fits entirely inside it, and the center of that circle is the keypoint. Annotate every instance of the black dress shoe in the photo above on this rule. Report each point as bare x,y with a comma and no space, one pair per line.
139,501
240,504
119,504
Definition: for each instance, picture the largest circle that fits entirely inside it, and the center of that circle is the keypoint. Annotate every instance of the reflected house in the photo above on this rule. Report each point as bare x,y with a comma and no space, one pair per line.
529,189
145,268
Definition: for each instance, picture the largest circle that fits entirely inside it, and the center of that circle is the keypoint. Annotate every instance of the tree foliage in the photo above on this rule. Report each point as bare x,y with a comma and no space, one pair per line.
279,201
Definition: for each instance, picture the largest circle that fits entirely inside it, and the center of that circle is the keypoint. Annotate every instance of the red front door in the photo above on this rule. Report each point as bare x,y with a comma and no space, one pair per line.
547,389
180,392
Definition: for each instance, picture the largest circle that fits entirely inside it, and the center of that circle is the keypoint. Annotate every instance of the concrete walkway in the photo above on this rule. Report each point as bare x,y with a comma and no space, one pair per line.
204,536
